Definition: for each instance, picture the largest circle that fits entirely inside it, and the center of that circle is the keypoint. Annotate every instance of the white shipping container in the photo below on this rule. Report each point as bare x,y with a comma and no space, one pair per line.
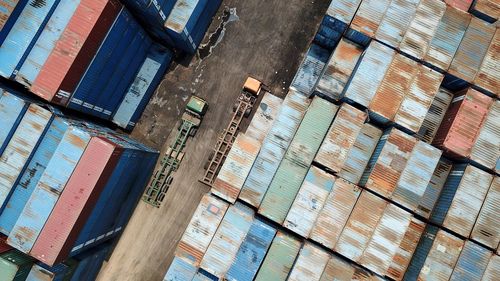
264,117
486,149
309,264
486,229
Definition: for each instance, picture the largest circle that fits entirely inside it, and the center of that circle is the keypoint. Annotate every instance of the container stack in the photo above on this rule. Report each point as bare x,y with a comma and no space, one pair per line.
373,167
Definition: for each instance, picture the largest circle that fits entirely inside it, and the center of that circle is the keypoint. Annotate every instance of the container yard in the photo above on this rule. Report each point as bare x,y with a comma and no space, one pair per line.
249,140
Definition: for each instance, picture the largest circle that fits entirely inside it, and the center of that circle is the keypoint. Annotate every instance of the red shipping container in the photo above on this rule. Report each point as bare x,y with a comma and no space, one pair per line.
75,49
462,123
76,202
463,5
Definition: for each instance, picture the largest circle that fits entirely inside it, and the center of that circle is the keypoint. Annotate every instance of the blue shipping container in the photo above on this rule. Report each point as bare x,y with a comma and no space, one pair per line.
12,110
180,270
310,70
9,16
329,33
471,263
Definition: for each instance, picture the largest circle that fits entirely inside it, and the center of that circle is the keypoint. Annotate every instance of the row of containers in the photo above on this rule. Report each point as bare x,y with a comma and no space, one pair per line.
66,186
93,56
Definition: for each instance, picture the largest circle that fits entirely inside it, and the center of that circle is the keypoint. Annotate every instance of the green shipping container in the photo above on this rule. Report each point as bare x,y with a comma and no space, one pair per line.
279,259
298,158
15,266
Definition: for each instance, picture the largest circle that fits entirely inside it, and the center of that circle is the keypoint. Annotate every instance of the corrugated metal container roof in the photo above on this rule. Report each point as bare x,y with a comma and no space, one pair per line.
463,120
339,69
338,269
396,21
236,167
180,270
461,199
279,259
360,153
264,117
463,5
402,257
310,70
435,115
369,16
335,212
393,89
446,40
486,229
8,7
388,162
486,149
422,28
471,263
201,229
493,270
227,240
370,72
360,226
252,251
309,264
298,158
488,76
418,100
274,147
488,7
340,138
181,14
309,201
343,10
472,50
412,188
12,110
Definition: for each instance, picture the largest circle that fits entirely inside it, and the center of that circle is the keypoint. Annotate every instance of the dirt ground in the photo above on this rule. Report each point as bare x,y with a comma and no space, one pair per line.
266,39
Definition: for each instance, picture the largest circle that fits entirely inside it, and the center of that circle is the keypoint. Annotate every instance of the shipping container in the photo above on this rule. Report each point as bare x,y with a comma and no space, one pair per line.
341,136
252,251
488,8
370,72
180,270
393,89
37,56
15,266
264,117
75,48
360,226
343,10
447,38
280,258
40,272
461,199
201,229
23,35
485,229
310,70
12,110
309,202
299,156
435,115
329,33
463,5
237,165
493,269
435,257
233,229
395,22
388,162
486,149
90,262
418,99
472,50
310,263
369,16
274,147
422,28
360,153
462,123
339,69
339,269
8,15
488,76
471,263
143,87
335,212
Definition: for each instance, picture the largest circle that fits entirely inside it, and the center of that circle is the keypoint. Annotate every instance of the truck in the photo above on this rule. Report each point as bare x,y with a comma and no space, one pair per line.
162,178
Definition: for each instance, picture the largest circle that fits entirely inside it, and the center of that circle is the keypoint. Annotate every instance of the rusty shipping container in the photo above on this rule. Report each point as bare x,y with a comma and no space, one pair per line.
335,213
472,50
338,269
369,73
471,263
486,149
493,269
435,115
236,167
309,202
461,125
490,8
488,76
463,5
486,229
446,40
298,158
343,10
201,229
461,199
339,69
310,263
227,239
264,117
340,138
360,226
396,21
369,16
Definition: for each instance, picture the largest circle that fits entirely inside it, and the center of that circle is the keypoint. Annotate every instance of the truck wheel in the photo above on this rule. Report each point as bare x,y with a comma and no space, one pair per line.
247,112
235,107
193,132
